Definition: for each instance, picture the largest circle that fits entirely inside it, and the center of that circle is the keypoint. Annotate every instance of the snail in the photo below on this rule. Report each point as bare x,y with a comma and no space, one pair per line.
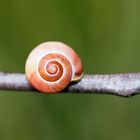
51,66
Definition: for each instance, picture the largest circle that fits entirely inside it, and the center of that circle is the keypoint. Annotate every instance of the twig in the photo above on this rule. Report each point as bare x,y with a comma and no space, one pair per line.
115,84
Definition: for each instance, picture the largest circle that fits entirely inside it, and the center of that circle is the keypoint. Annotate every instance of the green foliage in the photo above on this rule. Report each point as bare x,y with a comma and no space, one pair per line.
106,36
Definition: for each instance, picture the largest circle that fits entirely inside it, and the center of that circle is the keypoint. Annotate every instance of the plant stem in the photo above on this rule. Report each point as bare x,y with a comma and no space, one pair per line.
115,84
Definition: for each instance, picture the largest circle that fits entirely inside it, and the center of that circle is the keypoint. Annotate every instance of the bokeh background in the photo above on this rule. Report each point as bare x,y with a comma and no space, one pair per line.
105,33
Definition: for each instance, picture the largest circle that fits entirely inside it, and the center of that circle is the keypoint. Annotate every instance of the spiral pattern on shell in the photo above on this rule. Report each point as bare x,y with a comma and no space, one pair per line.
51,66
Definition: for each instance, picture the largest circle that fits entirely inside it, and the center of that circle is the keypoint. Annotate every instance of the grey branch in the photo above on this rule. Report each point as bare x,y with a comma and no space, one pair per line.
115,84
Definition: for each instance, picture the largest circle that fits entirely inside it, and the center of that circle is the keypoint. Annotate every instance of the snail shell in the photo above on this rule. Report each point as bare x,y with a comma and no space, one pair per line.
51,66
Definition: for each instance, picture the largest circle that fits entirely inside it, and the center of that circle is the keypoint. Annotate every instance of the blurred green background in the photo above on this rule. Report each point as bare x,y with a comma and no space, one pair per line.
105,33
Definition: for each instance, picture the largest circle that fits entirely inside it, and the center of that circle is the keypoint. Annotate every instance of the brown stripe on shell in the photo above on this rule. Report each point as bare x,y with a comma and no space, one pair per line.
50,83
46,72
